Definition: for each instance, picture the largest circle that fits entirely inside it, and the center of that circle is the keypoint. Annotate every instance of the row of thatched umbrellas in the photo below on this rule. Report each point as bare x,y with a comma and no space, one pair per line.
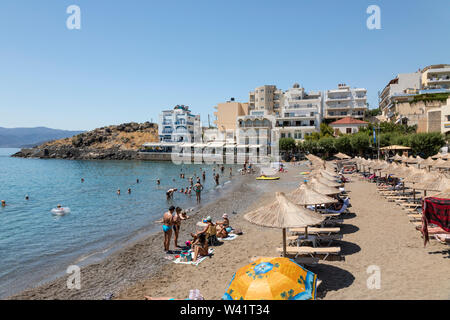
289,210
414,178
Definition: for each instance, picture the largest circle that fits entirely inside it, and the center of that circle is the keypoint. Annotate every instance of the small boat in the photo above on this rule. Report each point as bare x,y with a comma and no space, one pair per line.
267,178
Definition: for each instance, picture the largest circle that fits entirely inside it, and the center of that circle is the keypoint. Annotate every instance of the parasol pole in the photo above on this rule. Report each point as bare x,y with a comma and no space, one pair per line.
284,242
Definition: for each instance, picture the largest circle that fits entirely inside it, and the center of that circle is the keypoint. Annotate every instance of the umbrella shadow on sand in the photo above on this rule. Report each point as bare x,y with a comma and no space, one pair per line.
332,277
445,253
347,248
348,228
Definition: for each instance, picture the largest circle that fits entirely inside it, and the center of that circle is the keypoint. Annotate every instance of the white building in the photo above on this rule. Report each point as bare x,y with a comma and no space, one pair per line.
345,102
300,114
178,125
395,88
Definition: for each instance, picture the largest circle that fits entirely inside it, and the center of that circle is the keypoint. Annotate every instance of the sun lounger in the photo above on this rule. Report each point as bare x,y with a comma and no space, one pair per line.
443,238
315,230
415,217
322,238
311,251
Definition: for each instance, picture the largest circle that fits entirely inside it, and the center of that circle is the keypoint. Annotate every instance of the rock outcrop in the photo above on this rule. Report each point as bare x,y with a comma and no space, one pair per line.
120,142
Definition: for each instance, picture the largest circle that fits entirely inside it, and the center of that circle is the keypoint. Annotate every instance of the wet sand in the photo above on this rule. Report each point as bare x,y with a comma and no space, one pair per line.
376,232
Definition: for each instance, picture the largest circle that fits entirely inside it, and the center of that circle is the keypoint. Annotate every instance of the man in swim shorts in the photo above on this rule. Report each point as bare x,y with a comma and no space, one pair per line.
167,228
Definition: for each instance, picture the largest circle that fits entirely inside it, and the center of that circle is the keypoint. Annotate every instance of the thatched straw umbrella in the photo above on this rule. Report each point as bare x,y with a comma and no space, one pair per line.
437,156
440,184
326,182
305,196
397,158
342,156
283,214
443,194
427,163
439,163
322,188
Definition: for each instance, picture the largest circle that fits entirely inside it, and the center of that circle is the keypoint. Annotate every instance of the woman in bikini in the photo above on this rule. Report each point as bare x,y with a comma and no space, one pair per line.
198,190
176,225
200,246
222,227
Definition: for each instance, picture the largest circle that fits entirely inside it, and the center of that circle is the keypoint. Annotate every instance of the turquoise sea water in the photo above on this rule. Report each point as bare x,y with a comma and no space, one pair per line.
36,245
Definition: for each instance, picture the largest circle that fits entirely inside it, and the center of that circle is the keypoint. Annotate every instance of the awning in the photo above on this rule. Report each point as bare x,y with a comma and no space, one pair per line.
216,144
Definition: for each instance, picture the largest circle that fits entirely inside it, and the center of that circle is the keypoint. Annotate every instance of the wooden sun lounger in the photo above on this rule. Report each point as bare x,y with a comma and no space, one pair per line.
311,251
320,237
415,217
315,230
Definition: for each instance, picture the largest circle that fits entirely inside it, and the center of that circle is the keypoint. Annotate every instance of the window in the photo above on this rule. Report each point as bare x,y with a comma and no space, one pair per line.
283,135
349,130
311,123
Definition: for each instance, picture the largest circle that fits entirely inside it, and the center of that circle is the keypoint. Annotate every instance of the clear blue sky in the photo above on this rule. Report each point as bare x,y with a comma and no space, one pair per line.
131,59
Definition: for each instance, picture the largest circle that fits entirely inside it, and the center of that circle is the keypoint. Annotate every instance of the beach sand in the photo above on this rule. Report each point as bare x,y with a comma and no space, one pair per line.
376,233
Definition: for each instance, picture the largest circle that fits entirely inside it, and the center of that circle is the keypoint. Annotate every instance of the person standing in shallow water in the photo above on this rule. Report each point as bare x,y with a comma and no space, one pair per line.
198,191
216,178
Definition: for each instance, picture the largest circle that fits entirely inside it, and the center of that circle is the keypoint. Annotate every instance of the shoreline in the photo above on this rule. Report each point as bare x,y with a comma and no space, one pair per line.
144,249
375,233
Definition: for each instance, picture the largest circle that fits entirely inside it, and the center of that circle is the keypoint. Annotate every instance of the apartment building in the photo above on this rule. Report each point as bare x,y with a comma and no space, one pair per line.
398,88
227,113
345,102
178,125
436,77
266,99
300,114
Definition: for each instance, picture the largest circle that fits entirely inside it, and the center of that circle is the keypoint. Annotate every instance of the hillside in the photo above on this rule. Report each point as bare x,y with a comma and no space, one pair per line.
112,142
25,137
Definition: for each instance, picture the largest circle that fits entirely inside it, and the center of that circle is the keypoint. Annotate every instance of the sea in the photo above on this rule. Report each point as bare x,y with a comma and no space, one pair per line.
37,246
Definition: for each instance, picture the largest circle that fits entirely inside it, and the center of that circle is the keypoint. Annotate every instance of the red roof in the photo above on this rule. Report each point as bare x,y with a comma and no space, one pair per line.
348,120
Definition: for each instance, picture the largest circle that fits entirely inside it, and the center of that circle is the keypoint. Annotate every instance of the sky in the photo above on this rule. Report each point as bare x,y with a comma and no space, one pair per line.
132,59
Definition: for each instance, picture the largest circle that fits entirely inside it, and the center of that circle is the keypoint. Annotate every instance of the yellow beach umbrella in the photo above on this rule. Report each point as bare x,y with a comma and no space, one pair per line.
272,279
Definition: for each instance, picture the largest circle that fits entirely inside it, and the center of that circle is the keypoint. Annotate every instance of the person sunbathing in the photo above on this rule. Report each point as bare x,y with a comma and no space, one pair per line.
222,227
200,246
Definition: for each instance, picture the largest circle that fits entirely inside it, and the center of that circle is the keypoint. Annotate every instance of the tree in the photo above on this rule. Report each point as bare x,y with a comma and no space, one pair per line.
327,146
427,144
287,144
342,144
360,142
326,130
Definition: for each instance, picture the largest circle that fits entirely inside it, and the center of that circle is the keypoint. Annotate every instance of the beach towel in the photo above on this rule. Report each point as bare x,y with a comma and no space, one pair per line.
230,237
435,211
196,263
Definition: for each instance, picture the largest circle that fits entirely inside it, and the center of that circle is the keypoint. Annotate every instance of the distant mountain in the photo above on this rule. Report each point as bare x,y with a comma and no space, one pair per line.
30,137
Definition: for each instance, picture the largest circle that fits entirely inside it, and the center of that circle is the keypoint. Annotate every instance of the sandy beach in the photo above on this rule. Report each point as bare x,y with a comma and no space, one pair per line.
376,233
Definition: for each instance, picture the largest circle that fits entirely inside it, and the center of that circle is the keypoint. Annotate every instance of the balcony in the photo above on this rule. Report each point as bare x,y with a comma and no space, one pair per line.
360,97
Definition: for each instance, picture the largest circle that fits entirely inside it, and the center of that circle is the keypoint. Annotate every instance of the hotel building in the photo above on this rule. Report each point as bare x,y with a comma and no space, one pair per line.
178,125
300,114
345,102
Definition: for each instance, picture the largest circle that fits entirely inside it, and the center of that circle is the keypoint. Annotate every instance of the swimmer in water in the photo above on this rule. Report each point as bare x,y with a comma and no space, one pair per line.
27,197
3,203
59,207
129,191
158,182
118,192
137,180
82,180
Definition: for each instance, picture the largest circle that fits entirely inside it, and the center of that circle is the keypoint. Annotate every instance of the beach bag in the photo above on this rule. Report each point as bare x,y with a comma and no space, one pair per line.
237,230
